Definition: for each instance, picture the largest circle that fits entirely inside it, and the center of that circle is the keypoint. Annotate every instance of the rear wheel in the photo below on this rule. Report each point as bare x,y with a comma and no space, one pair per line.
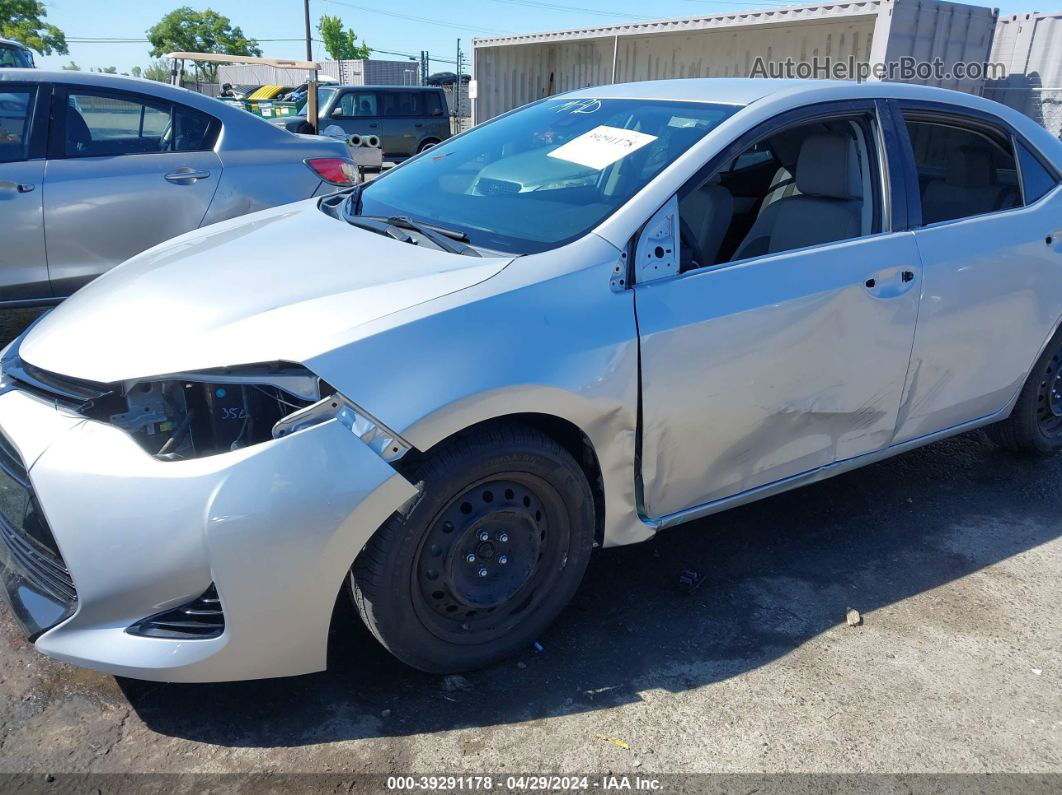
1035,425
484,558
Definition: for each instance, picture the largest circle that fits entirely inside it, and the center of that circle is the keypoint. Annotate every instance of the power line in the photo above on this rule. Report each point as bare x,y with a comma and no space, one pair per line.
572,9
426,20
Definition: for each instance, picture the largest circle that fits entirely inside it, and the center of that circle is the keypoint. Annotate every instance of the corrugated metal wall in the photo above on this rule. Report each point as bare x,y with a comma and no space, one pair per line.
515,70
1030,45
733,52
370,72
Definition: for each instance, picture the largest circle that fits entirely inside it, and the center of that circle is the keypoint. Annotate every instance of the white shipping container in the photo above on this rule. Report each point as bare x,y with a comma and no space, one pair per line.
513,70
1030,45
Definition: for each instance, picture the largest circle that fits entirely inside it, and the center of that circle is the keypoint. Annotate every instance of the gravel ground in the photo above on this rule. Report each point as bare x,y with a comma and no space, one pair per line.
951,554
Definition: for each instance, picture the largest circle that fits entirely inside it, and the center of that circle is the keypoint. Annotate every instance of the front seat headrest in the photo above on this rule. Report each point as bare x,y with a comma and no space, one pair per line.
828,167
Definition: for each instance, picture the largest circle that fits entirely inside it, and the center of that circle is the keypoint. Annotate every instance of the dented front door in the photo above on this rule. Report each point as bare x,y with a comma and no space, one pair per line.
758,371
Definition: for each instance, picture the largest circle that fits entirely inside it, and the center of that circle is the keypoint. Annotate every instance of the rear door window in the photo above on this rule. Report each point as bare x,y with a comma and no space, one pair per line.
962,170
432,102
401,103
116,123
16,107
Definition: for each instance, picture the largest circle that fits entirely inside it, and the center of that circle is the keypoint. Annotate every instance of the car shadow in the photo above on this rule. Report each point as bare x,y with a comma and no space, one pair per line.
778,573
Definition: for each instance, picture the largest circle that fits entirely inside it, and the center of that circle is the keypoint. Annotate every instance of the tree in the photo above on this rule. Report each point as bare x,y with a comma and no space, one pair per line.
136,71
71,67
23,20
341,44
188,30
159,71
105,70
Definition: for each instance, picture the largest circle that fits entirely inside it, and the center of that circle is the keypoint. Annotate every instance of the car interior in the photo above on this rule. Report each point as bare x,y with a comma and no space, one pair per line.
962,171
100,126
804,185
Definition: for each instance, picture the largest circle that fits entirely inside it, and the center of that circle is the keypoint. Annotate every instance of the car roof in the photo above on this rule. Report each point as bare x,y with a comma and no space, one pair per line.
11,43
243,130
781,95
746,90
382,87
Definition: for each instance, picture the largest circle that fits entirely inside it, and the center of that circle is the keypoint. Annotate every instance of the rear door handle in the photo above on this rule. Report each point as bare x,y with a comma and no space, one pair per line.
186,176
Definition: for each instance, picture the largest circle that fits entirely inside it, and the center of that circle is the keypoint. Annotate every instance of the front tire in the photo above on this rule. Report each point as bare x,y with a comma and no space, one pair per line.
1035,425
484,558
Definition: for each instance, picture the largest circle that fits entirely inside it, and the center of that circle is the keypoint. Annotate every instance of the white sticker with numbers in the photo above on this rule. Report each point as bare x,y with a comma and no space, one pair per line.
602,146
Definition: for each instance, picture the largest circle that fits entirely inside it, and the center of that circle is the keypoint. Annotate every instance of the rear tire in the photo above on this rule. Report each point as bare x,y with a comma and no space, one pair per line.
1035,425
483,559
427,145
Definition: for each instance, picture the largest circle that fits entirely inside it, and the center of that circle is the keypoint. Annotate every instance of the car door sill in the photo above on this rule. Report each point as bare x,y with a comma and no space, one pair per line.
815,475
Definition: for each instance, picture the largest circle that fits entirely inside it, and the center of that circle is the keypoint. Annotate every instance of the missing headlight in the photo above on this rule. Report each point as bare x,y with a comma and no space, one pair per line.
204,414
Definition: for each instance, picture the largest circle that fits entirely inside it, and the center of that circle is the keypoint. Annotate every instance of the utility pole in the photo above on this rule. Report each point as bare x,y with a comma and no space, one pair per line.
457,91
311,86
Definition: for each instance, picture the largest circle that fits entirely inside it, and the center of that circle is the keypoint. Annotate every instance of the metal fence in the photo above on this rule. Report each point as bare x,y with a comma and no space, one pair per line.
1043,105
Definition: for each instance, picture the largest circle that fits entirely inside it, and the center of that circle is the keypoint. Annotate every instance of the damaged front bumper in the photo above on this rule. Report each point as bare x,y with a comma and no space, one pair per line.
273,527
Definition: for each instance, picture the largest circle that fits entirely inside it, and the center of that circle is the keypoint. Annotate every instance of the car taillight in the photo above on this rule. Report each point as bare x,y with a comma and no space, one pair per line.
335,170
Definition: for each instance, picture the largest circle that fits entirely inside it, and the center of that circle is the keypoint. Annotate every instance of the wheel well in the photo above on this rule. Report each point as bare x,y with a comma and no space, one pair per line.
565,433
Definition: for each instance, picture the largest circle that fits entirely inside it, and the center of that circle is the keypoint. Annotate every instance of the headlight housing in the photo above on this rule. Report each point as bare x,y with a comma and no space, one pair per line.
191,415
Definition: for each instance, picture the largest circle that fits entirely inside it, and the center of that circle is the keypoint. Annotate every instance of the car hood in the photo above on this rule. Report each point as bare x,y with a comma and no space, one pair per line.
285,284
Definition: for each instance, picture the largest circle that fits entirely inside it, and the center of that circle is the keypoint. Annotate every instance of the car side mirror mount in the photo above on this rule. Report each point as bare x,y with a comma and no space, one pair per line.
337,113
657,253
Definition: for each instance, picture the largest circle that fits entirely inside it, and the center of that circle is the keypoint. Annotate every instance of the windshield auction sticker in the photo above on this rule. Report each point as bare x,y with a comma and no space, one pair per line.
602,146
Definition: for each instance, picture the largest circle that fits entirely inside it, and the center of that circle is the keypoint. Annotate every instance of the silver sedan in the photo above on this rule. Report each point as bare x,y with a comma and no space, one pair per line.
586,321
96,168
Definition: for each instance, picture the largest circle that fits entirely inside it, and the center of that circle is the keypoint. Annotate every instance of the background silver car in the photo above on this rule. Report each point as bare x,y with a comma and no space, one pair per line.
96,168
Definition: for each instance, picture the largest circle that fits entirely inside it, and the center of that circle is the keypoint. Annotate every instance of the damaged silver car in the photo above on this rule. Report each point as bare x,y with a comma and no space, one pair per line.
595,317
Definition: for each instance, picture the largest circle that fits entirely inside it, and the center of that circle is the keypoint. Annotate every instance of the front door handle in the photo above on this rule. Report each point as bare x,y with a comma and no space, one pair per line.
892,282
186,176
20,187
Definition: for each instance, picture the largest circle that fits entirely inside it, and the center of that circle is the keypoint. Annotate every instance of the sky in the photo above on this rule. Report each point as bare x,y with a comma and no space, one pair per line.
105,33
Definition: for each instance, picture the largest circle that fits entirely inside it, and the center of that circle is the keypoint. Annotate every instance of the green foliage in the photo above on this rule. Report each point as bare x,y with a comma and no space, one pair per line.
105,70
158,70
23,21
188,30
71,67
341,44
136,71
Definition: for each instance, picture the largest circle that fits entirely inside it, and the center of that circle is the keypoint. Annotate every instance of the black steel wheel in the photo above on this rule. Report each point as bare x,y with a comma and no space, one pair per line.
1035,425
484,558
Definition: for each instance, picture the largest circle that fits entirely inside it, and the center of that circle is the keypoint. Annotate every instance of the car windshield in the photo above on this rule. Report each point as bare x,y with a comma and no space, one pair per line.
323,95
544,175
15,57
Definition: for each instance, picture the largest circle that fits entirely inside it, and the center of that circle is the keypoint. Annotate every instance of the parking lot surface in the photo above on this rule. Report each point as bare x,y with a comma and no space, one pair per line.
950,554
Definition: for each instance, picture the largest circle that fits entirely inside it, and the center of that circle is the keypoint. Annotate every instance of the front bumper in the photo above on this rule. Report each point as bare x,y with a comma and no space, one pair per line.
274,527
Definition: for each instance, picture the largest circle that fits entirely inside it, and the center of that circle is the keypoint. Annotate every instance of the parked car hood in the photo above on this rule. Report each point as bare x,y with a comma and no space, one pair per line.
284,284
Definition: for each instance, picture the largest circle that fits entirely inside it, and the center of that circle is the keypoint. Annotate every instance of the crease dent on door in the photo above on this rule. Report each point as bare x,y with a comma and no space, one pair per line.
761,371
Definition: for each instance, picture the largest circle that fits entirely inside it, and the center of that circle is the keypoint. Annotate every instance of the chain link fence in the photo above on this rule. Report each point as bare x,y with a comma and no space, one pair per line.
1043,105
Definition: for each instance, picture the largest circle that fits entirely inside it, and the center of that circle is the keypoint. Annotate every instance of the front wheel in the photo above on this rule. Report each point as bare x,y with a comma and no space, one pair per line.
1035,425
479,563
426,145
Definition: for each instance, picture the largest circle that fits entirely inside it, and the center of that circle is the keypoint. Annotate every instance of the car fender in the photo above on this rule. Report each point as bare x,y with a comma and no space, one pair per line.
544,336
